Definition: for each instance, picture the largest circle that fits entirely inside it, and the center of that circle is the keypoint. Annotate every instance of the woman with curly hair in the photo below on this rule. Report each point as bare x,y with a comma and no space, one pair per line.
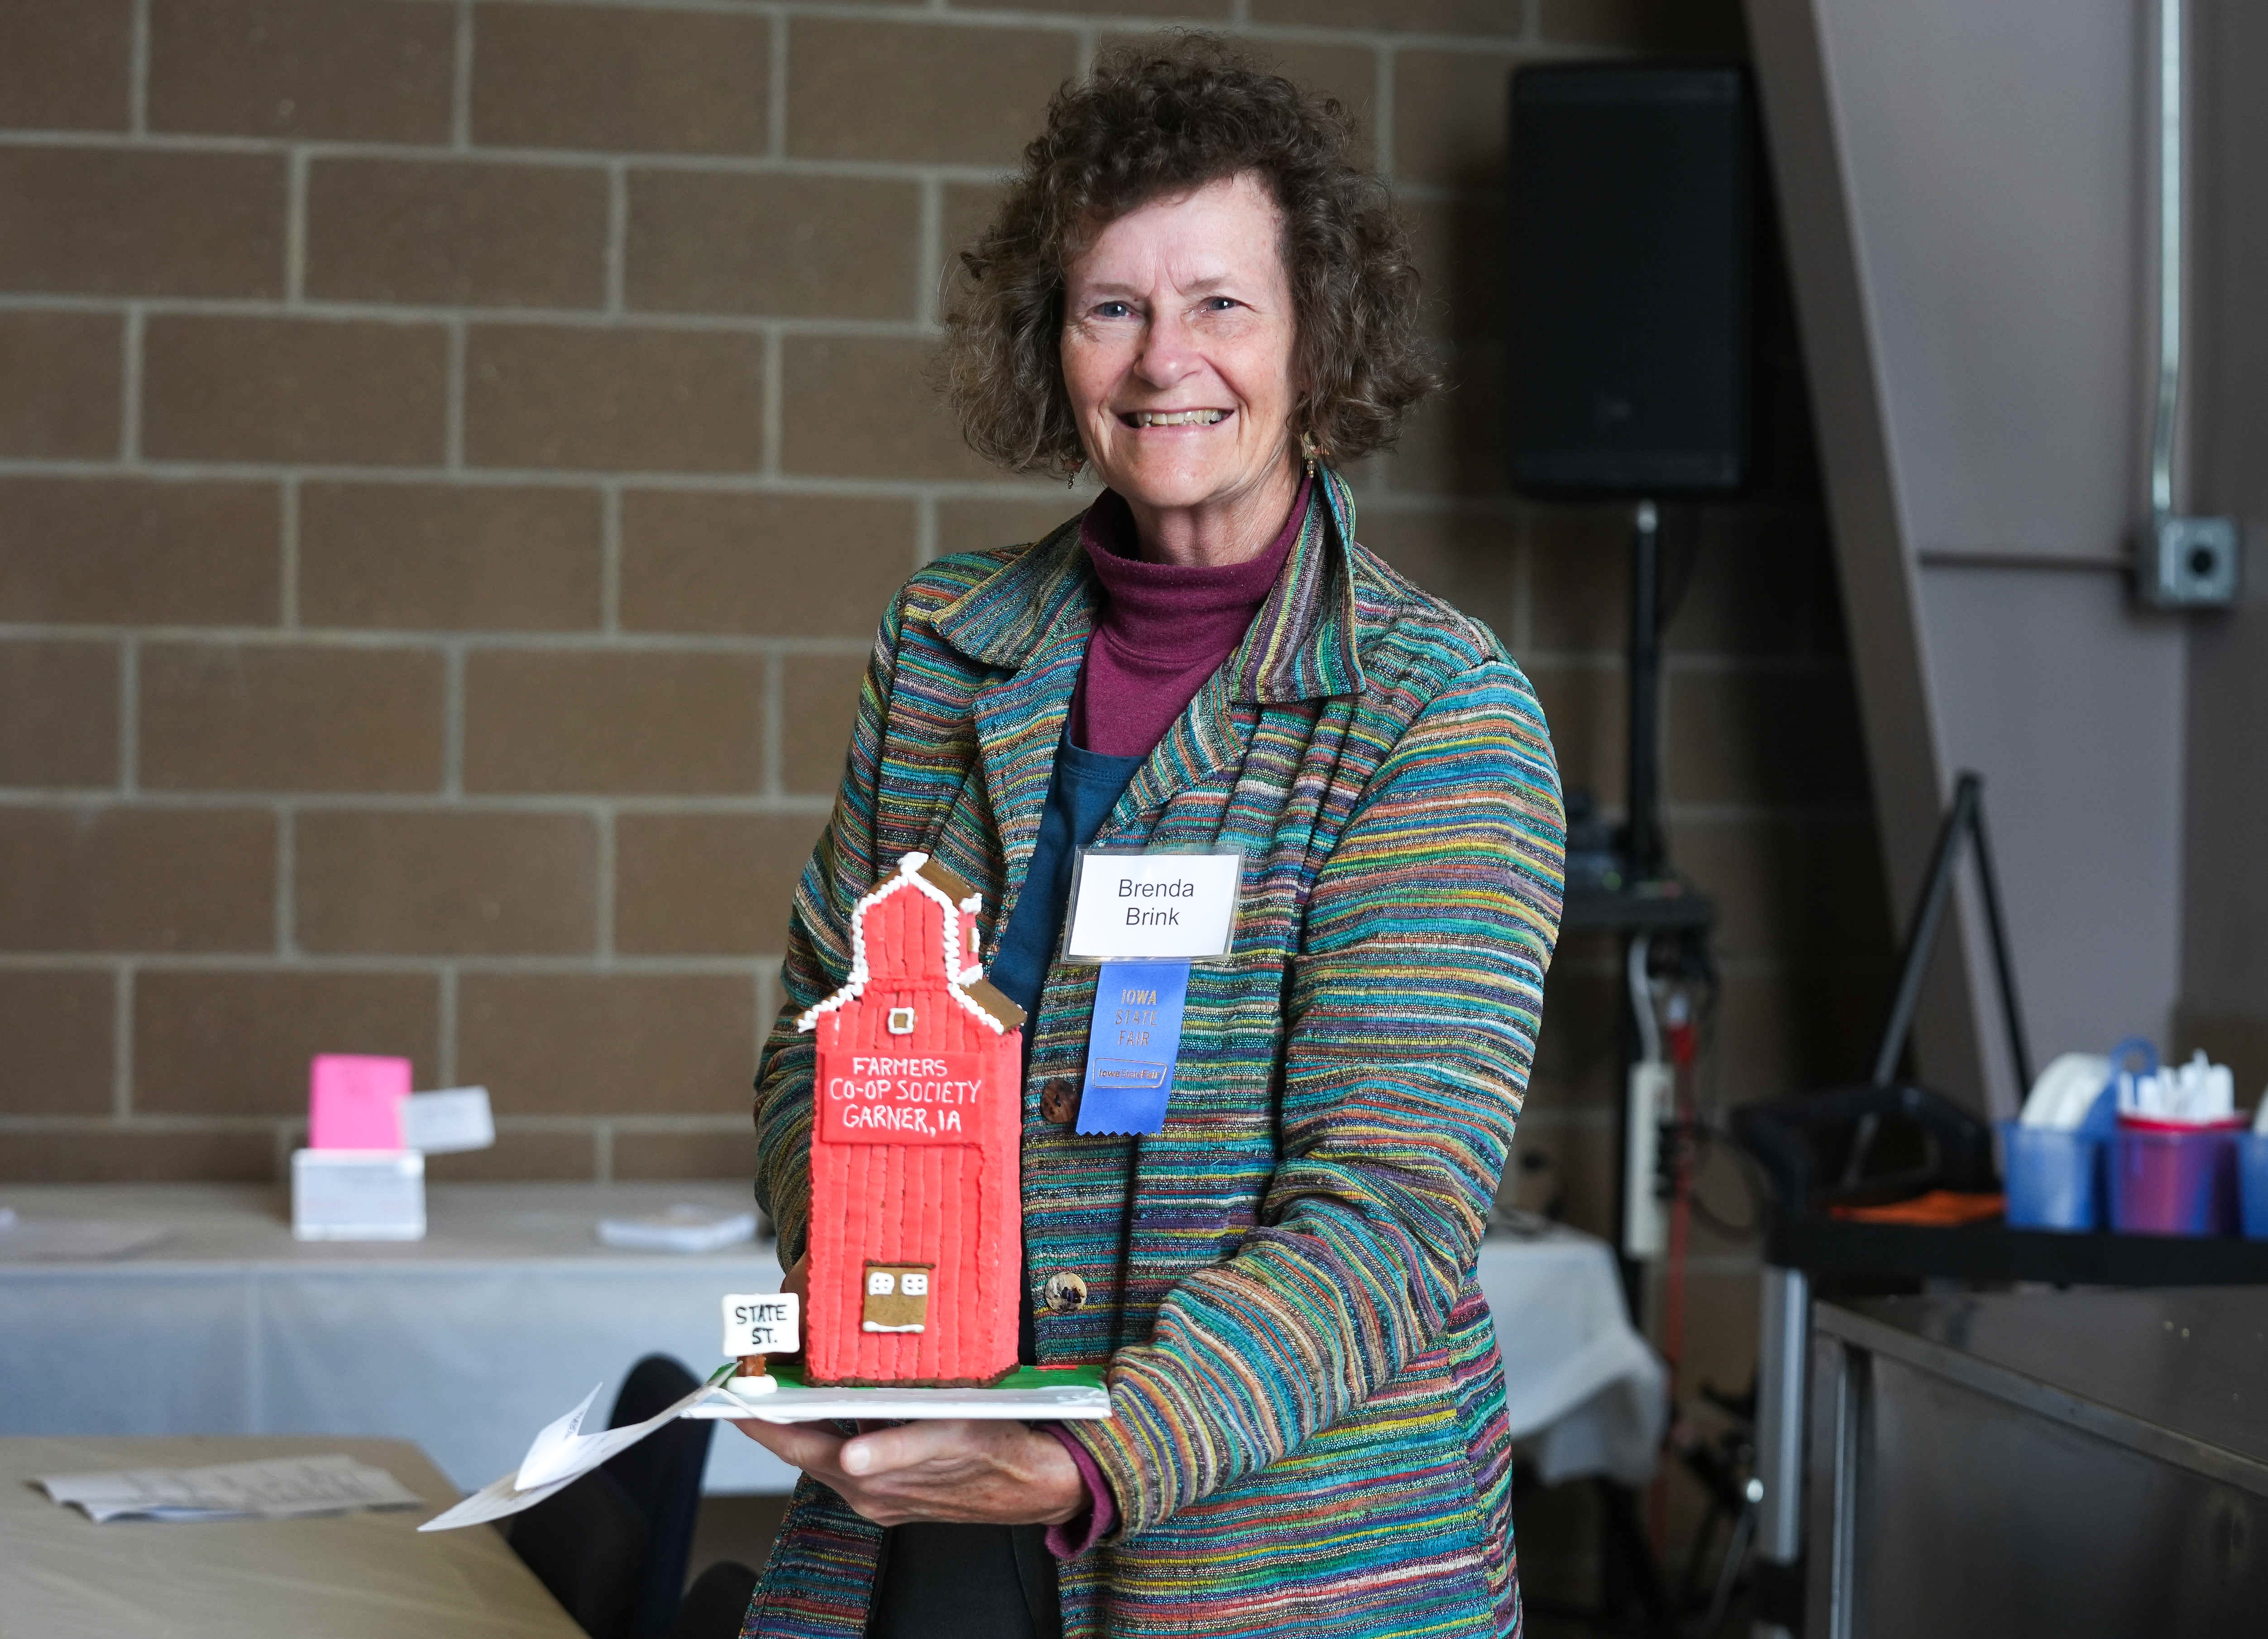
1190,291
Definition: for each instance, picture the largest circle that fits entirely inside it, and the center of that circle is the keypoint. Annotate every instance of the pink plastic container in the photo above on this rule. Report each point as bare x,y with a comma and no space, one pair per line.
2168,1179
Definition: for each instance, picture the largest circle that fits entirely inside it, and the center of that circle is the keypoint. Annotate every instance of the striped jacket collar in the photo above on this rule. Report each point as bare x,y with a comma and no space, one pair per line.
1301,645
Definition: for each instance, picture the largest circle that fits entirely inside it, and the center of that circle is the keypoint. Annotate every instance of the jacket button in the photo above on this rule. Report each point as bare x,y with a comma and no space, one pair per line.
1059,1101
1065,1292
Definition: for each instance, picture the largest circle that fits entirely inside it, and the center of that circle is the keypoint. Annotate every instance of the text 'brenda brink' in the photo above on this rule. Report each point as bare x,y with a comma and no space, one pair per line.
1154,916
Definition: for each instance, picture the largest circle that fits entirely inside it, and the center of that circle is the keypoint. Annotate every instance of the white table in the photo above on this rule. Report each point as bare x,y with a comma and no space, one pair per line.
508,1311
361,1575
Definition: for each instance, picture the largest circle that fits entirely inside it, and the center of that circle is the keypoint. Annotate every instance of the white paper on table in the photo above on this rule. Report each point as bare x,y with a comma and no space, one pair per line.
279,1488
74,1240
680,1229
448,1122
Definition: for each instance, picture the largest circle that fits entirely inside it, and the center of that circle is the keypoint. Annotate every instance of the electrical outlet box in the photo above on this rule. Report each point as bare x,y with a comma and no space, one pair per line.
2189,562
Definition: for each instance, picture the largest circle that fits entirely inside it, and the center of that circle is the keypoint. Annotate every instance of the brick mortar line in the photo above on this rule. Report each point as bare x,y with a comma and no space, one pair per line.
445,1026
636,1125
1744,967
783,805
427,965
1701,663
452,394
460,79
599,159
772,396
692,1124
129,383
1381,119
428,639
130,716
287,546
776,88
804,805
1525,42
773,726
610,559
605,864
617,248
930,271
139,1122
287,853
818,486
321,311
926,538
453,719
121,1042
1369,500
760,1022
295,228
137,69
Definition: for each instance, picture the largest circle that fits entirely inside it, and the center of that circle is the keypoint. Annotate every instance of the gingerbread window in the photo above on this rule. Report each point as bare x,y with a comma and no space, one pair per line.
901,1021
897,1297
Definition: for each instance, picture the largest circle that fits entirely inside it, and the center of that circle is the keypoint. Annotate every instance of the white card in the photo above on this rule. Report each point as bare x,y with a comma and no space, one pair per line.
444,1123
1157,907
358,1195
762,1323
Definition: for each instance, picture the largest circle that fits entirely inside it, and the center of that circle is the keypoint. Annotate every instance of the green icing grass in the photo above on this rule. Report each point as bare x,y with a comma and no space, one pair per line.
1022,1378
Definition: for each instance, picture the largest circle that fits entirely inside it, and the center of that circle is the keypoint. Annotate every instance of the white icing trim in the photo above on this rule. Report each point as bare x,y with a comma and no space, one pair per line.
908,874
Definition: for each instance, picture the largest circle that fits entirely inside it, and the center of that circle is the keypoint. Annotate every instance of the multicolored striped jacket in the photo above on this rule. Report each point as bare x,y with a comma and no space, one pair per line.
1308,1435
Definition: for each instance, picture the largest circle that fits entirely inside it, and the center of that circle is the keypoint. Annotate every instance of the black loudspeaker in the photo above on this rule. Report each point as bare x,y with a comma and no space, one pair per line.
1632,225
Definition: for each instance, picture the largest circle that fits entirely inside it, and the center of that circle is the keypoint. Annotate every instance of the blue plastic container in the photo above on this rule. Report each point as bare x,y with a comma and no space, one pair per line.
2058,1178
2252,1182
2055,1177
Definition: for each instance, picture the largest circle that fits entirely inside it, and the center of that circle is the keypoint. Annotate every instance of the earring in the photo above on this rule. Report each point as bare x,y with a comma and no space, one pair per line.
1308,452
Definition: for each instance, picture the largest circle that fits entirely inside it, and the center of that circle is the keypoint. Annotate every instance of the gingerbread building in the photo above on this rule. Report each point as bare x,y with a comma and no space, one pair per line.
916,1206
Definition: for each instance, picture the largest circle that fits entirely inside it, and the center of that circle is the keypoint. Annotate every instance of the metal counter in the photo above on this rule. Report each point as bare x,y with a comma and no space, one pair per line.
2069,1463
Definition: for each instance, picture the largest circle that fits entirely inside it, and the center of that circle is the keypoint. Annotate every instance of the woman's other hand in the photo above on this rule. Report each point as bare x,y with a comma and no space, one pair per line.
996,1473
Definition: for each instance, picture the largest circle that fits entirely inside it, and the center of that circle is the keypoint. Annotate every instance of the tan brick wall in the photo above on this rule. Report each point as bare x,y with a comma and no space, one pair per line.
452,454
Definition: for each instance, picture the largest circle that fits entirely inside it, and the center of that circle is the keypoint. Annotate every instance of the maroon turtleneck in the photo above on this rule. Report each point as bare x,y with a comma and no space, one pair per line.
1161,630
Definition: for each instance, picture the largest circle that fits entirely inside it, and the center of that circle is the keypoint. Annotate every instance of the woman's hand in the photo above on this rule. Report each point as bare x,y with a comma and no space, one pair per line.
996,1473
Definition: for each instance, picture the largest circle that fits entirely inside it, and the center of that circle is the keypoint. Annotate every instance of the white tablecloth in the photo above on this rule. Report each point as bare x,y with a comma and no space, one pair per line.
504,1316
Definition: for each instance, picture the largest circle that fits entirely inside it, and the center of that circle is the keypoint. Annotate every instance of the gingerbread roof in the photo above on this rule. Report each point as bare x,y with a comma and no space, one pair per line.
918,872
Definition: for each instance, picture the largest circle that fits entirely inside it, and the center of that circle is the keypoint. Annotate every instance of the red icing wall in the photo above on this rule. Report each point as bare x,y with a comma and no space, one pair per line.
913,1160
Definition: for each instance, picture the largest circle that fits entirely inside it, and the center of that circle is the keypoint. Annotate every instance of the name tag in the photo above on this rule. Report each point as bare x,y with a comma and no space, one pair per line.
762,1323
1153,907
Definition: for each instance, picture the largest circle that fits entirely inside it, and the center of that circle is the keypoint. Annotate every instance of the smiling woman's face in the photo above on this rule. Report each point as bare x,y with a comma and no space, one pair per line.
1177,354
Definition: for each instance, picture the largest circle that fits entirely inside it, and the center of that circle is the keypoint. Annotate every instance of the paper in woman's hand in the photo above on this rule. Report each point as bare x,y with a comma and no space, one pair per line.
559,1454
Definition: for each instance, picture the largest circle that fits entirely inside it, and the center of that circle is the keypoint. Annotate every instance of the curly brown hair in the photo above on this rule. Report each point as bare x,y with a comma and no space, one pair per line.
1151,123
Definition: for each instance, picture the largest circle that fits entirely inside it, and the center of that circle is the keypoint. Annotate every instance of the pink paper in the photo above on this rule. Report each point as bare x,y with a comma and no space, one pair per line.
354,1101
